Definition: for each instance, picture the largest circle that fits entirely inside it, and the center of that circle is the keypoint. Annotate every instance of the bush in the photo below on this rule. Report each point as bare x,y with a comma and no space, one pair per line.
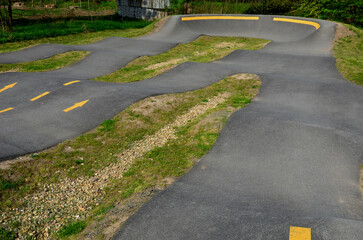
306,9
273,7
220,7
347,11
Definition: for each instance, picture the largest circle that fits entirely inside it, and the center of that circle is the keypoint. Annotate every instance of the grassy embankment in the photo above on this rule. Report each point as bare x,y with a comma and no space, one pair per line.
348,52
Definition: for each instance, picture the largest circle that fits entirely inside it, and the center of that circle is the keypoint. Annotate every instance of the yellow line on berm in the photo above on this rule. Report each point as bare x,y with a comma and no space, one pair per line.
69,83
219,18
316,25
299,233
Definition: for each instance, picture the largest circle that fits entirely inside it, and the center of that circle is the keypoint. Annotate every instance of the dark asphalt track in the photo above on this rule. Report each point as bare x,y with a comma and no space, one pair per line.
290,158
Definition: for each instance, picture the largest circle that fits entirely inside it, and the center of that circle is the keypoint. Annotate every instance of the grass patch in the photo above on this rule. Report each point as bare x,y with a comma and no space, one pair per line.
348,52
52,63
128,31
204,49
71,229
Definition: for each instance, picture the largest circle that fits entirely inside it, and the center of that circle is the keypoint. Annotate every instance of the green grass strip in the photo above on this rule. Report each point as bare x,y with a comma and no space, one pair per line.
52,63
204,49
349,54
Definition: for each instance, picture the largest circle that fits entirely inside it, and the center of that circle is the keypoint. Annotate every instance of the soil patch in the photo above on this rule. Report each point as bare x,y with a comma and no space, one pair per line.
342,31
7,164
229,45
163,64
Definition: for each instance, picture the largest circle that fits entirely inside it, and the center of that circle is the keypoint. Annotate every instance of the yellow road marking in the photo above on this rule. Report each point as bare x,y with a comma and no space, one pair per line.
316,25
76,105
299,233
69,83
39,96
7,87
219,18
5,110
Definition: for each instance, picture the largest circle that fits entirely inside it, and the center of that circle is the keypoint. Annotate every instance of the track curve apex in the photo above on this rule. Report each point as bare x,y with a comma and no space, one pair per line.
309,36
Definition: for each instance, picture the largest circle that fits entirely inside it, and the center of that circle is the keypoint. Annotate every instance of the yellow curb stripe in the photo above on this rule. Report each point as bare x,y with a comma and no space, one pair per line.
219,18
69,83
39,96
5,110
299,233
316,25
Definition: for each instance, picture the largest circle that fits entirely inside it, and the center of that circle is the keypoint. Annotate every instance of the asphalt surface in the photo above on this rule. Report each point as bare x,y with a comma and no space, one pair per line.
290,158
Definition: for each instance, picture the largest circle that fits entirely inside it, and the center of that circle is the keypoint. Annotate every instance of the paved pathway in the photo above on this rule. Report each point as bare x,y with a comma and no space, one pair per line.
289,159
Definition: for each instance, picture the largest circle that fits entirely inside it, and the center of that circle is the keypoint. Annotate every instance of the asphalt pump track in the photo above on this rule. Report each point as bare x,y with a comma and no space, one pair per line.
287,165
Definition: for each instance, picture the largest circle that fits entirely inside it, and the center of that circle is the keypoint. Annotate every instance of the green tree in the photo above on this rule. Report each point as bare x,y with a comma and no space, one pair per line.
6,15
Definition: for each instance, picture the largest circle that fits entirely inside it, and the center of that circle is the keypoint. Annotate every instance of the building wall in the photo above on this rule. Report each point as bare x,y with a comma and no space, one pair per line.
142,9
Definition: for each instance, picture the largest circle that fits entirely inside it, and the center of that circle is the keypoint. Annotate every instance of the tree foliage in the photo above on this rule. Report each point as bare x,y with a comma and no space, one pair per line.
347,11
6,15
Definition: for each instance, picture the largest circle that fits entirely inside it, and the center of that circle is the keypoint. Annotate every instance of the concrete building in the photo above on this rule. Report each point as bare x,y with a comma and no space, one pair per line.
143,9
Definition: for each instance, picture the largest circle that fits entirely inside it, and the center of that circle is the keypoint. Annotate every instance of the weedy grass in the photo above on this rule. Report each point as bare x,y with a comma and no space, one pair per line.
348,52
52,63
204,49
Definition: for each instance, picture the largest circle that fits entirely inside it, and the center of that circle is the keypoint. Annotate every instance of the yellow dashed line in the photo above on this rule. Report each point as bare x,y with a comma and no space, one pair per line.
41,95
316,25
5,110
299,233
69,83
219,18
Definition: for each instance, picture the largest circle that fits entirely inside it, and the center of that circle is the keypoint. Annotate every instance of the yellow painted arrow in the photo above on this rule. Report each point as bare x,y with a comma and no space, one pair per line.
7,87
76,105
